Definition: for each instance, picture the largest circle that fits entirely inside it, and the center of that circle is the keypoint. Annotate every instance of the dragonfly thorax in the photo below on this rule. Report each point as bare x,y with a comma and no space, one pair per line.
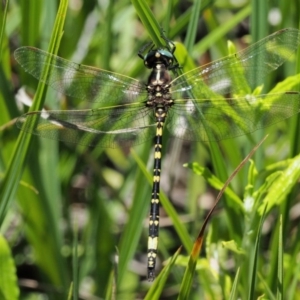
160,76
158,87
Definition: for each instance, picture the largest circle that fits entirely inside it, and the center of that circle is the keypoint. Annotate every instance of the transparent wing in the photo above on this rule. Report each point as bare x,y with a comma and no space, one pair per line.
239,73
107,128
204,120
80,81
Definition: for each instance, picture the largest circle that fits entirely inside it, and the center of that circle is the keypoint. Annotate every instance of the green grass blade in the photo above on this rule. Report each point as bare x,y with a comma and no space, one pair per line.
3,25
70,291
234,288
149,21
259,29
8,279
192,26
259,19
220,31
187,280
295,143
280,294
75,286
268,293
255,257
31,18
292,274
167,20
108,33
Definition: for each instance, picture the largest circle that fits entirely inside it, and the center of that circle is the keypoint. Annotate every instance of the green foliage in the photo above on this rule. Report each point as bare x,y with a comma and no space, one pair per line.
8,279
248,254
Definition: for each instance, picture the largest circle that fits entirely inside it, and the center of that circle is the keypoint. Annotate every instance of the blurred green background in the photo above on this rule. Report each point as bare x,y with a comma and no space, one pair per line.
98,199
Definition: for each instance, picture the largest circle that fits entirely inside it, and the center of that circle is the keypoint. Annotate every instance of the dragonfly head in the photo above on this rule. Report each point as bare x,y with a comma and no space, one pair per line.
158,56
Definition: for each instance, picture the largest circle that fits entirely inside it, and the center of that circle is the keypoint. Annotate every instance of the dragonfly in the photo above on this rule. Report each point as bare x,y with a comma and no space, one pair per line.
209,103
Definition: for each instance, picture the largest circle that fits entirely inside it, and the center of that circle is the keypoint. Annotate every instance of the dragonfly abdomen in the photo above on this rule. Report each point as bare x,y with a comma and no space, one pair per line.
160,115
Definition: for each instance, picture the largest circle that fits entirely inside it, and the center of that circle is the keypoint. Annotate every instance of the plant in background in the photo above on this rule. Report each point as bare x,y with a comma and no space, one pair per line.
104,190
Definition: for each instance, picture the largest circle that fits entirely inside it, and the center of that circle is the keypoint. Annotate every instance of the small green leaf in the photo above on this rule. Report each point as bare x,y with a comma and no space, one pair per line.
282,185
235,285
231,47
232,246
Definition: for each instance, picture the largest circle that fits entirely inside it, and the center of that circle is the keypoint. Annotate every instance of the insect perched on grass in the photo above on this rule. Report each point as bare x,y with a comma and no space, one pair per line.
210,103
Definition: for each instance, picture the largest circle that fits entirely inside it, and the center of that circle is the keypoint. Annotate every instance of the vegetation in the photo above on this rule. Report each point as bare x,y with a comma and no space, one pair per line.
74,220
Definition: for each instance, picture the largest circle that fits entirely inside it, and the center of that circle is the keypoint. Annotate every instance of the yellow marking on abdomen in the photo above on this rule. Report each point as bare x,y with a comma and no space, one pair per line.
157,154
159,131
156,178
152,243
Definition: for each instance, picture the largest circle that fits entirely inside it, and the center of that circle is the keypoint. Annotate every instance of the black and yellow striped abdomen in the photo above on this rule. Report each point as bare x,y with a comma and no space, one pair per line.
154,208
